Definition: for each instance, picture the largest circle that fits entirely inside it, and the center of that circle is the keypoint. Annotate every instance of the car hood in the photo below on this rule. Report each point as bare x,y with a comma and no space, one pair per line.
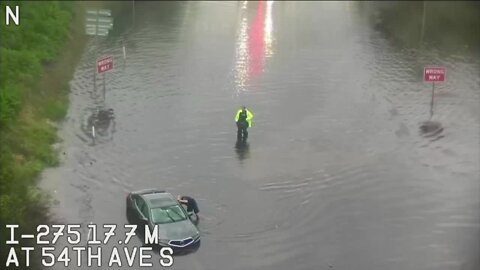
177,230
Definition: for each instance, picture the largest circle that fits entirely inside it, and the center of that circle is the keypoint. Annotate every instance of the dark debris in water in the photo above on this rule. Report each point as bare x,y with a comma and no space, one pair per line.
430,128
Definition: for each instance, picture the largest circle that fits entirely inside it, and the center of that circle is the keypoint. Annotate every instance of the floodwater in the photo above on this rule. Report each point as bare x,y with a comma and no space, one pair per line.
340,171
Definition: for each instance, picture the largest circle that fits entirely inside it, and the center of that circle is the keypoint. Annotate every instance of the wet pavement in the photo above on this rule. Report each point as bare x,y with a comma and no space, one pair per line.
340,170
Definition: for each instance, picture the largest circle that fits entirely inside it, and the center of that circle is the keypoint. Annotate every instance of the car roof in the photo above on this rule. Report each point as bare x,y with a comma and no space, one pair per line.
159,199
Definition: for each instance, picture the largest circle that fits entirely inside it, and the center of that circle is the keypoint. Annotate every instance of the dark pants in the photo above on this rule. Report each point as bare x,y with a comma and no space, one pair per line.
242,132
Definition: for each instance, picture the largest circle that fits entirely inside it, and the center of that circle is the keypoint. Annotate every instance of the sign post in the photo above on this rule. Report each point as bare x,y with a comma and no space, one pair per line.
98,22
433,74
104,65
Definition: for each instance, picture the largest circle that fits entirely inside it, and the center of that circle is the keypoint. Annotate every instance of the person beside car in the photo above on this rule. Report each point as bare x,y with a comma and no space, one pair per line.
189,202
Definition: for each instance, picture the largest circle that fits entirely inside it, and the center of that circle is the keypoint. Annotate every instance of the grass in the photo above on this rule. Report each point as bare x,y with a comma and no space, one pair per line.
37,61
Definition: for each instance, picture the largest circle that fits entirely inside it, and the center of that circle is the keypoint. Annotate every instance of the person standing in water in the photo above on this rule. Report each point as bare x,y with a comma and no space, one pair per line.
243,118
189,202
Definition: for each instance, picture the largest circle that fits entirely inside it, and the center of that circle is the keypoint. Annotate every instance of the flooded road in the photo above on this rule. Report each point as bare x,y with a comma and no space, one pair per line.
337,173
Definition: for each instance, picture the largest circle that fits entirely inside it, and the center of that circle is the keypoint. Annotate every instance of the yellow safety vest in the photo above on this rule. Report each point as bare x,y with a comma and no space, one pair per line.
249,117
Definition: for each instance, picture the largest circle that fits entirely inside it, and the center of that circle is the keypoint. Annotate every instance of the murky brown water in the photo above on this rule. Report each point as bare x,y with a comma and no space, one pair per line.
336,175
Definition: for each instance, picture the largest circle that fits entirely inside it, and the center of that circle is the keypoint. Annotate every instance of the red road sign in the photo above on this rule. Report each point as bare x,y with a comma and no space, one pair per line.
434,74
105,64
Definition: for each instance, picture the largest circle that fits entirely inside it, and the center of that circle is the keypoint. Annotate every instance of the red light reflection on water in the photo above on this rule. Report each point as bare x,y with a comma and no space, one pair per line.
256,43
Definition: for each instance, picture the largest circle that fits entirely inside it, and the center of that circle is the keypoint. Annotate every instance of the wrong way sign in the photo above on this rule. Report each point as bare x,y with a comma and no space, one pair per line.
434,74
105,64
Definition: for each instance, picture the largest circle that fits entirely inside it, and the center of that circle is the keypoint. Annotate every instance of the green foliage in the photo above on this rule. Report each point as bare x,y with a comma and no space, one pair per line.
9,102
26,132
44,28
56,109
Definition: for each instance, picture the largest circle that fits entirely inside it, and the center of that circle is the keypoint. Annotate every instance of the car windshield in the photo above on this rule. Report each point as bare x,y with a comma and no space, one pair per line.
167,214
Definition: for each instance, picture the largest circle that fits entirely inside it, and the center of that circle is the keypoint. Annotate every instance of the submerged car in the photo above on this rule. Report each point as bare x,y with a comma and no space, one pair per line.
154,207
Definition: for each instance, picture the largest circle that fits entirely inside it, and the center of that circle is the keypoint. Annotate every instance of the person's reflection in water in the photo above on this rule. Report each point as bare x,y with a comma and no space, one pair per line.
242,148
